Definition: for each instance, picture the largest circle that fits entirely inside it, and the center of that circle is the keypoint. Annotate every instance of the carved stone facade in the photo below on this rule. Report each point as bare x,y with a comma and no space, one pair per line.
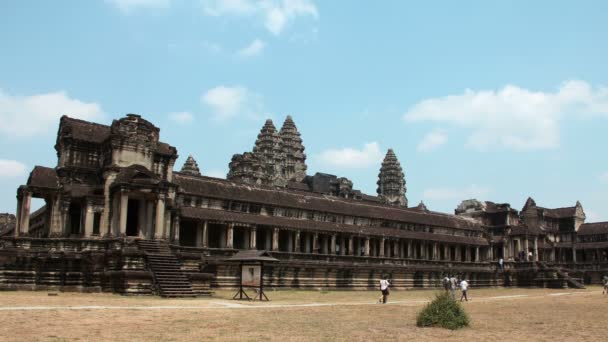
391,181
277,158
114,203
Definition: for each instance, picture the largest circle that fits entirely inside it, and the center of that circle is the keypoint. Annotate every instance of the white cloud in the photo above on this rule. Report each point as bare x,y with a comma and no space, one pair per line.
256,47
128,6
432,140
349,157
513,117
227,102
275,14
12,168
472,191
26,116
181,117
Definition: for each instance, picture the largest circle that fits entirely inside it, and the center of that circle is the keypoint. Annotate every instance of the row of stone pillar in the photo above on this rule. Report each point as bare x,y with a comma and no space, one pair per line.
338,244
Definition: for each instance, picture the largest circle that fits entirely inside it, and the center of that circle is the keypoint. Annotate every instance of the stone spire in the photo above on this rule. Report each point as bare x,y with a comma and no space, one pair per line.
191,167
268,150
294,164
391,181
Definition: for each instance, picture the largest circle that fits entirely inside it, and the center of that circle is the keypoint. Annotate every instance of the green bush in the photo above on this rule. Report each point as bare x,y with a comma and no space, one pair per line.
443,312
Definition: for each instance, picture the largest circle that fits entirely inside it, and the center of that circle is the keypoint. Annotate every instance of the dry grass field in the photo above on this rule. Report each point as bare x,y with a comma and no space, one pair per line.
497,314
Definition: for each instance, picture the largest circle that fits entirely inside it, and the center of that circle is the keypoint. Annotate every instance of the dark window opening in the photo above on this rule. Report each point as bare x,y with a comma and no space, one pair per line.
96,223
75,218
132,217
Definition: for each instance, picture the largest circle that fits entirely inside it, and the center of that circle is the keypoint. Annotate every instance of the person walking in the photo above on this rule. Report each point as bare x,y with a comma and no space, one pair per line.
464,287
453,285
384,284
501,264
446,283
605,280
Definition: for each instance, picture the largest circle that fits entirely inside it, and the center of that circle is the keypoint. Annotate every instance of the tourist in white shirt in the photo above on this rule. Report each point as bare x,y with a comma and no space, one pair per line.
384,284
464,286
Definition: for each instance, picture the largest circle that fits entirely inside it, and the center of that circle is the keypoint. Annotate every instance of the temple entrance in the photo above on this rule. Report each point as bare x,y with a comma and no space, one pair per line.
187,233
132,217
75,218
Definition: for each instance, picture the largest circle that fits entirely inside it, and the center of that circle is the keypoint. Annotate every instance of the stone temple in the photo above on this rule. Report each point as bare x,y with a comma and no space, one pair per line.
119,217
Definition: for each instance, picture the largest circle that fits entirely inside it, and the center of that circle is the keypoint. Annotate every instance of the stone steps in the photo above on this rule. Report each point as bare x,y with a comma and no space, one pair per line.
166,268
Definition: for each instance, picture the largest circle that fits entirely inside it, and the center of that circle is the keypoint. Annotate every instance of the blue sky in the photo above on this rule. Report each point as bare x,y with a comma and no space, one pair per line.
492,100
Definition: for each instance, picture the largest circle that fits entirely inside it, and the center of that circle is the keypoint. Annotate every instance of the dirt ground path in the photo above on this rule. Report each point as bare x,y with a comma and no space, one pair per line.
497,314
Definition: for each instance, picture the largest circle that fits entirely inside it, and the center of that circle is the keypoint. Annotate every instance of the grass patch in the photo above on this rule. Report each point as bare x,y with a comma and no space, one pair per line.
443,312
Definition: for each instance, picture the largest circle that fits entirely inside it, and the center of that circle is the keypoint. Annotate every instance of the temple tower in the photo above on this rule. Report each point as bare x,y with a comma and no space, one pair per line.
268,151
191,167
294,163
391,181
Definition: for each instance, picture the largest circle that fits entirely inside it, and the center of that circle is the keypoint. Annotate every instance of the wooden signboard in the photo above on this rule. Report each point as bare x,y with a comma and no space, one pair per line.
251,275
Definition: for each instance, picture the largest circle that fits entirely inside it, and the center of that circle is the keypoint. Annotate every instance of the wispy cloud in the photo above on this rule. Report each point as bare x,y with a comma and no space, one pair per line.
12,168
432,140
472,191
181,117
603,177
27,116
513,117
275,14
227,102
128,6
349,157
255,48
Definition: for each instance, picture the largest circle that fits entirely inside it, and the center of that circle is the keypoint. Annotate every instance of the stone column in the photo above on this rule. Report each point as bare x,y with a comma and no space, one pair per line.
315,243
476,254
275,239
526,249
446,252
24,216
253,232
366,250
88,220
18,216
573,254
205,239
122,223
535,248
175,236
199,236
149,220
351,246
468,254
159,223
298,248
381,254
409,249
396,245
332,248
435,251
342,245
230,235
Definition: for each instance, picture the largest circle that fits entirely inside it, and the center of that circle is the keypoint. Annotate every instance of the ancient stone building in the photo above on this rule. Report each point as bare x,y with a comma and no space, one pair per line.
117,217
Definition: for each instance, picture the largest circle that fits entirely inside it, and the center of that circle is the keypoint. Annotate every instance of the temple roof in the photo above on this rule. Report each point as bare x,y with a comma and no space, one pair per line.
217,188
43,177
84,130
593,228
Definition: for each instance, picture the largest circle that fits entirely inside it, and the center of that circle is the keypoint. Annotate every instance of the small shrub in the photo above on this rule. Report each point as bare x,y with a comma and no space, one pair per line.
443,312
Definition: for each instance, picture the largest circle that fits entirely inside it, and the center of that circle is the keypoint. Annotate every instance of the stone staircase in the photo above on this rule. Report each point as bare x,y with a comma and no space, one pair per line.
570,281
168,276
